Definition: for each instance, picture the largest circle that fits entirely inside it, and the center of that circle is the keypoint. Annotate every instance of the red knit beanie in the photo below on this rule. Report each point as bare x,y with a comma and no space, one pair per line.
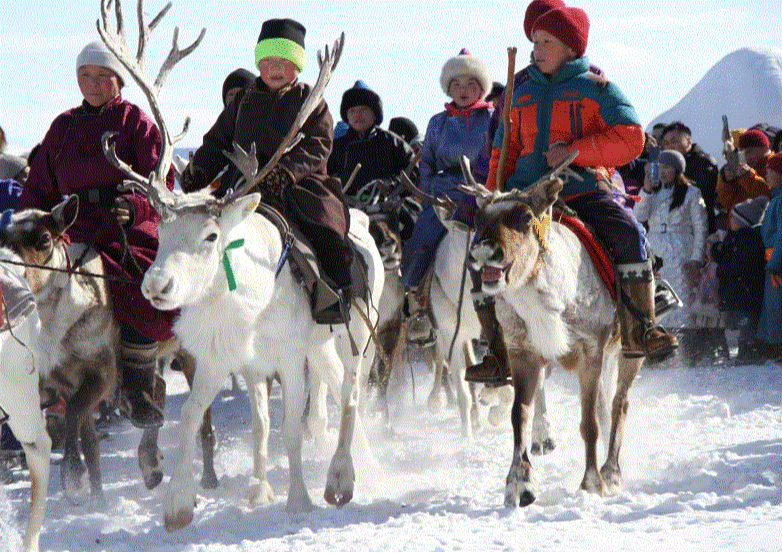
754,138
570,25
537,8
775,163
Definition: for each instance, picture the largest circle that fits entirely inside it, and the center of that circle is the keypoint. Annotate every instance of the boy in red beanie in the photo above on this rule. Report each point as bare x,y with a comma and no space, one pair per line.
748,180
559,109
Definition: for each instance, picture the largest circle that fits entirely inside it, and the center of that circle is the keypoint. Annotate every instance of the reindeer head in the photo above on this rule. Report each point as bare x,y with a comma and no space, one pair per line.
35,236
190,253
511,229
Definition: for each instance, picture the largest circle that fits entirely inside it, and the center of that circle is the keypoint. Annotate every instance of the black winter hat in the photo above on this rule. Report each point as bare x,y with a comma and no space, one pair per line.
239,78
404,128
361,95
282,38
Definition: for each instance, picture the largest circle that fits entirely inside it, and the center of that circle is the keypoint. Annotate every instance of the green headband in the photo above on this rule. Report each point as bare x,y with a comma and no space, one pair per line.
281,48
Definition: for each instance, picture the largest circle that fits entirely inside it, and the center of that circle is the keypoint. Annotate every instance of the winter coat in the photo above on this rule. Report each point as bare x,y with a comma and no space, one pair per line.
702,170
740,269
71,161
263,118
748,186
676,236
592,117
450,135
770,325
381,153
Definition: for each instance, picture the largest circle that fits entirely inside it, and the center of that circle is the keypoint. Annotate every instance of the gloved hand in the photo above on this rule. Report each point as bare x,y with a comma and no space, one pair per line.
192,178
274,184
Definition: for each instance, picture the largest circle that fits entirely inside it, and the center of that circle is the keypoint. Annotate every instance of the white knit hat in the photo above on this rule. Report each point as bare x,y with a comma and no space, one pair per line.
96,53
466,64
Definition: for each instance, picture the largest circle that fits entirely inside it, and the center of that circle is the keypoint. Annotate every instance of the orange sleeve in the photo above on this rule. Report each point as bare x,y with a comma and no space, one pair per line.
612,147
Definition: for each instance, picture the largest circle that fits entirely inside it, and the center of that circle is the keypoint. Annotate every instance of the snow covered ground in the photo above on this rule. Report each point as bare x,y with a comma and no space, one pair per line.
702,466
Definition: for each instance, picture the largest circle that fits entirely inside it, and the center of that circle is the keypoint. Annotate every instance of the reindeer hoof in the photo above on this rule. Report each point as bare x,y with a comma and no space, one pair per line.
153,478
525,498
209,481
542,448
332,498
183,518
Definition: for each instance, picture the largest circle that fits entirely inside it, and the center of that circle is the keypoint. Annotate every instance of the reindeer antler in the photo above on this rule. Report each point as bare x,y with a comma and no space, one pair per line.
247,162
153,185
491,196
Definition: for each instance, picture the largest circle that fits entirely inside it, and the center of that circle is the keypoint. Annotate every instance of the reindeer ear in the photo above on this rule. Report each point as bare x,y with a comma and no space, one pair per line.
65,212
238,210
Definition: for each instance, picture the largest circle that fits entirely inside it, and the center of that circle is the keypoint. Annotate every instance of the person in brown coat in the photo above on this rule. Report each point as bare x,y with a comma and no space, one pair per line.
299,185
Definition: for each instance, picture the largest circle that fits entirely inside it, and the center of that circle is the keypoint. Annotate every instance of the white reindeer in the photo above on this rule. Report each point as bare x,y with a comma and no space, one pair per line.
259,323
553,307
23,360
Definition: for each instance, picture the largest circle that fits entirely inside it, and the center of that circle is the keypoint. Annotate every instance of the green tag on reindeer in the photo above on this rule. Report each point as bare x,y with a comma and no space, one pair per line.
229,273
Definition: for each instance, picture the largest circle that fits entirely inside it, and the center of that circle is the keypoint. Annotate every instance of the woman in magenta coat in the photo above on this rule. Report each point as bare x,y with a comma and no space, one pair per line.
71,161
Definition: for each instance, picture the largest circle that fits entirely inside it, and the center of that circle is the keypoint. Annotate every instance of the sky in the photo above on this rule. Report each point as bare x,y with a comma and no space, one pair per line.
655,51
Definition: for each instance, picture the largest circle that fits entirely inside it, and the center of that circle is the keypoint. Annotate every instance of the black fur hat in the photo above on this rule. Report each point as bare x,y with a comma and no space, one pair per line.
361,95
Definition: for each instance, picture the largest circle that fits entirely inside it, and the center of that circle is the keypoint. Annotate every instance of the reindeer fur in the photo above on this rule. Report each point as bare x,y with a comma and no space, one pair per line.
562,314
22,360
262,327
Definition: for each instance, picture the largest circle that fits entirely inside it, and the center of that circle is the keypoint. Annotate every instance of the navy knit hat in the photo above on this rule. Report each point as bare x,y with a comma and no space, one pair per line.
241,78
282,38
361,95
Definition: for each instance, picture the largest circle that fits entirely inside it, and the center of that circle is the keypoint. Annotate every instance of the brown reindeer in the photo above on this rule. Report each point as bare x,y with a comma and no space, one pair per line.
553,307
78,324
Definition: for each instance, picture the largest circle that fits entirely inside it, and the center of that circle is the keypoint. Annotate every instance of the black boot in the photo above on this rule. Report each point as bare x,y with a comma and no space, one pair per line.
493,370
140,384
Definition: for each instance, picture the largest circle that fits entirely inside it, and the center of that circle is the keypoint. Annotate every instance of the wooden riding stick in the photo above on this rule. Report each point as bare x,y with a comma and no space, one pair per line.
351,178
506,119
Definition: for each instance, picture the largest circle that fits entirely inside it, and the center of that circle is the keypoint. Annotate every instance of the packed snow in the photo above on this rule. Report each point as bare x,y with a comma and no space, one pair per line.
702,468
745,85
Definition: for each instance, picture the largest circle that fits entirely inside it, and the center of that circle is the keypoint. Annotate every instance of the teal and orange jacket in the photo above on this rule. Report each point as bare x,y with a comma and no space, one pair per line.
587,113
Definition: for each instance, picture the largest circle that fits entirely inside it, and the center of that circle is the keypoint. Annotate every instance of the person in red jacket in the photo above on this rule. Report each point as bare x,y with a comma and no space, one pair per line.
71,161
563,107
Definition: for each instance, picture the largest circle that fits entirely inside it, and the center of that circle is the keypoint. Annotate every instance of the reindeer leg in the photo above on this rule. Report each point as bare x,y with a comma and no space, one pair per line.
91,449
37,454
526,369
294,397
589,380
542,442
73,476
628,370
208,476
180,498
260,492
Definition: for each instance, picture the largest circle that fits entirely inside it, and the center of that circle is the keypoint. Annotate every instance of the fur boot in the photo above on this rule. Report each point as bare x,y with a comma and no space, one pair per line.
641,336
143,391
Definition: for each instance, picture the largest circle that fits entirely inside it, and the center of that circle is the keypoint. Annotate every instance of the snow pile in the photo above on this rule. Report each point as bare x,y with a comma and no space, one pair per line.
745,85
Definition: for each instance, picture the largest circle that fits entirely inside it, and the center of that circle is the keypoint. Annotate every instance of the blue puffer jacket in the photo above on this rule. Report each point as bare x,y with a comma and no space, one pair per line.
450,135
770,326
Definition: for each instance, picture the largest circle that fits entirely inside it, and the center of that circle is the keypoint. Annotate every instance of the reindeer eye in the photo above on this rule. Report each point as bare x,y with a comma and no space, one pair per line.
211,238
43,242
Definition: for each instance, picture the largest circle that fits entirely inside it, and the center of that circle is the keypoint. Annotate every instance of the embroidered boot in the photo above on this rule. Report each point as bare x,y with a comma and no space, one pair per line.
142,388
493,370
641,336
